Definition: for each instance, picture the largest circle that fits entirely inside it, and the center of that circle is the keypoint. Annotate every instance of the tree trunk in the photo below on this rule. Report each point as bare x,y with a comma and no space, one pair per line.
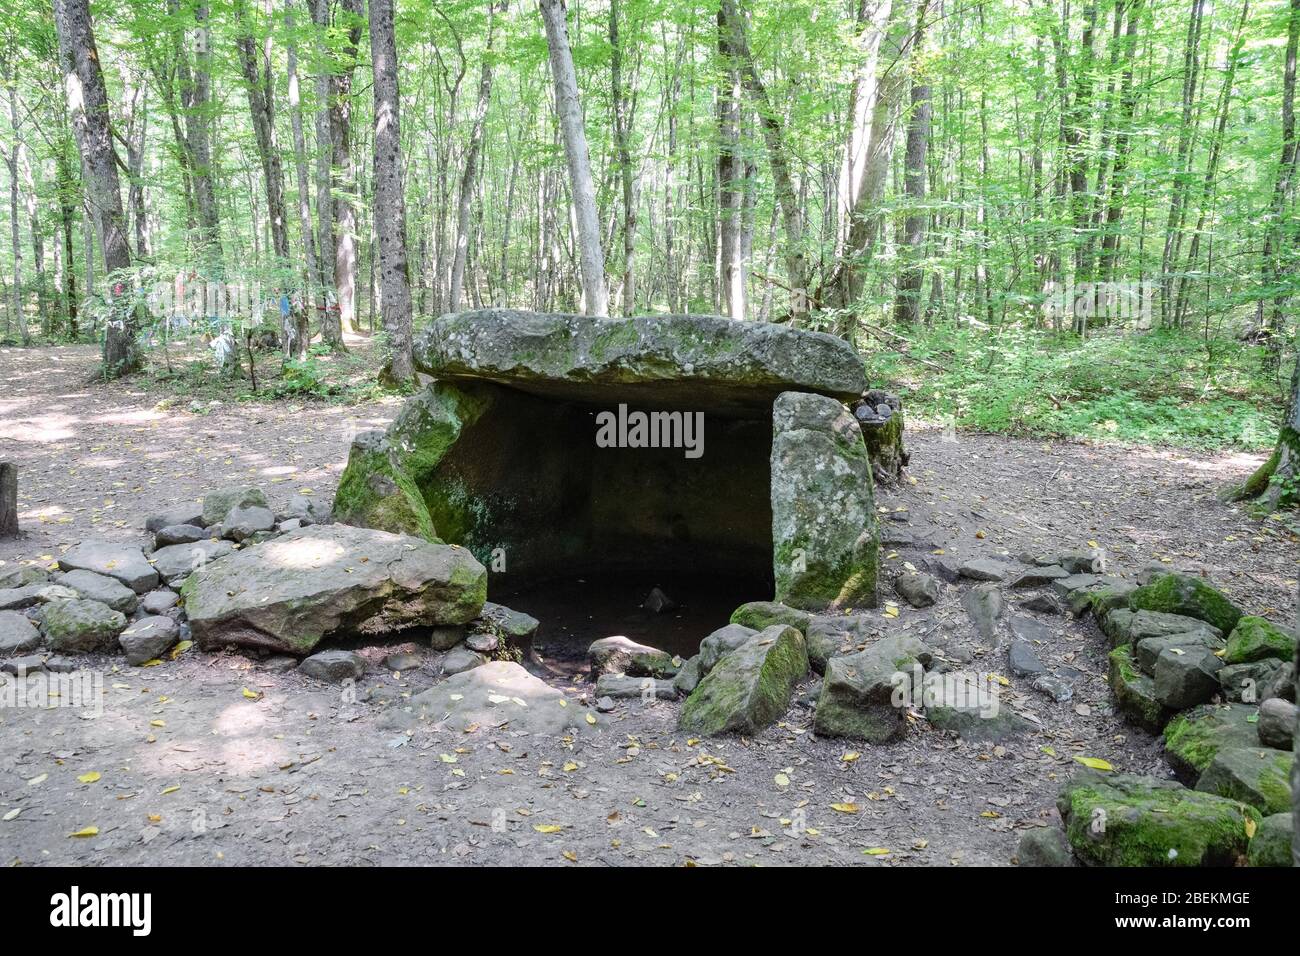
591,256
1173,229
390,205
732,268
88,107
907,306
622,135
261,107
469,175
311,274
196,94
1277,233
331,332
344,173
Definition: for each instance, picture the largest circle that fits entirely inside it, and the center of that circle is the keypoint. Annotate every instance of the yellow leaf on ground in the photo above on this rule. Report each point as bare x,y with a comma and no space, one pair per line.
547,827
845,807
1096,763
90,777
85,832
876,851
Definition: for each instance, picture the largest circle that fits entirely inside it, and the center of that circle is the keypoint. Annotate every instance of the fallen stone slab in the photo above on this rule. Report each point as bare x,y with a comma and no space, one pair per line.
123,562
1022,660
621,655
289,593
15,599
1257,776
1185,679
978,722
333,666
81,626
148,639
858,698
688,677
18,634
828,637
750,687
100,587
1037,577
22,576
1147,650
179,534
501,694
984,569
1189,596
1193,737
1128,820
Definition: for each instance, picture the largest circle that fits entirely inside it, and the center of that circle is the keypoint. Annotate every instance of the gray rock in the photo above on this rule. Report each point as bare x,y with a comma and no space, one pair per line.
516,626
484,642
1079,582
985,605
720,643
217,504
15,599
1257,776
1281,684
1044,846
159,602
305,511
605,704
620,655
188,514
1271,844
976,718
289,524
1044,603
28,664
1193,737
688,676
1145,624
120,561
749,688
280,664
698,359
18,635
179,534
242,522
22,576
984,569
179,560
917,589
945,569
148,638
289,593
502,694
81,626
1149,649
1023,661
1037,577
1277,722
657,602
443,637
826,638
99,587
460,659
858,692
823,511
333,666
1186,679
626,688
402,661
1029,630
1054,687
1115,625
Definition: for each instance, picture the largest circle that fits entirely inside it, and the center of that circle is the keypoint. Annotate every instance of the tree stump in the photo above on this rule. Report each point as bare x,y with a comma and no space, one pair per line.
880,416
8,500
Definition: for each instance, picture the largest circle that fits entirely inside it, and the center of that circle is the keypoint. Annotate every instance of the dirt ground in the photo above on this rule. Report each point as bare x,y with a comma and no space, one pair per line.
216,759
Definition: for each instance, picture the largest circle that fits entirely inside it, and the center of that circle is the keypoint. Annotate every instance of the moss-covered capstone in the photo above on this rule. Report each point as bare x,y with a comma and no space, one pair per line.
1193,737
750,687
1126,820
1188,596
290,592
1257,639
826,550
700,360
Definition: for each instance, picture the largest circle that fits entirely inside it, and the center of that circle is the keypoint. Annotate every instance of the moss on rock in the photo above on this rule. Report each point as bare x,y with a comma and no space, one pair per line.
1135,692
1256,639
749,688
1193,737
1188,596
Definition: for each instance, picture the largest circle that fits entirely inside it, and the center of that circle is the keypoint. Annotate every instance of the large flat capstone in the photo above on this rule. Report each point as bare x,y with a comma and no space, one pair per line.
290,592
688,360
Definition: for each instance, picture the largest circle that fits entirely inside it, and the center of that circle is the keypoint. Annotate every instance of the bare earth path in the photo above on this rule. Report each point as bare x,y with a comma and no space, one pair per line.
192,770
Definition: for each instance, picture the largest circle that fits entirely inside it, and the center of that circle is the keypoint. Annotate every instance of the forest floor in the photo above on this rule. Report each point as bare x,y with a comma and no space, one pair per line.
181,766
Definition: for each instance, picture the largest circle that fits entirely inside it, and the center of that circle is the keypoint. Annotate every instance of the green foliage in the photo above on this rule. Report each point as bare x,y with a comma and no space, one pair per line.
1158,388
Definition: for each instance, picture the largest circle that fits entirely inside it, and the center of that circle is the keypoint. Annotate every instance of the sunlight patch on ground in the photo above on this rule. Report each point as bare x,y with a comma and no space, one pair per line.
45,430
280,470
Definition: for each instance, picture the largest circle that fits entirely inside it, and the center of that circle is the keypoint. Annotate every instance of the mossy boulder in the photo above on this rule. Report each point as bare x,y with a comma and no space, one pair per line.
1259,776
826,549
217,504
1127,820
1271,845
1188,596
620,655
725,640
1135,692
750,687
1256,639
81,626
763,614
858,698
1193,737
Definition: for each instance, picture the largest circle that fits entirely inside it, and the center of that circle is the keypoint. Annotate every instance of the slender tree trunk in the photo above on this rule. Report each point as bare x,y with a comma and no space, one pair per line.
622,136
732,270
469,175
331,332
344,172
591,257
196,94
261,107
1278,233
1173,229
311,274
390,204
88,107
907,306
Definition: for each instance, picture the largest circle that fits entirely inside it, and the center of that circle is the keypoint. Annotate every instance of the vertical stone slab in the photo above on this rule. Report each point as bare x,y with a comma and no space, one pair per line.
825,545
